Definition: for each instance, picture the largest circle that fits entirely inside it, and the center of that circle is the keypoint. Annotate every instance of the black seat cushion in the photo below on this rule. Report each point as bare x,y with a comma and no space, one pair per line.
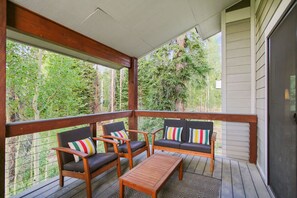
195,147
167,143
135,145
95,162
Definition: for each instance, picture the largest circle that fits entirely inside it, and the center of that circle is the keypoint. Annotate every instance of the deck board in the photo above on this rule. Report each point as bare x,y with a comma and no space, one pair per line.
261,189
193,164
237,184
239,179
217,173
53,190
201,166
249,188
227,189
187,161
207,171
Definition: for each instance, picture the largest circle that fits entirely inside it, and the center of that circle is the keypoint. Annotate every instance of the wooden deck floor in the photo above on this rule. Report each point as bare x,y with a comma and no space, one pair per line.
239,179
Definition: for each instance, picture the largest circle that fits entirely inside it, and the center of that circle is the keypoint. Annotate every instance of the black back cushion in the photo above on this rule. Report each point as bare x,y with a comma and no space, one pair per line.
176,123
112,127
200,125
71,136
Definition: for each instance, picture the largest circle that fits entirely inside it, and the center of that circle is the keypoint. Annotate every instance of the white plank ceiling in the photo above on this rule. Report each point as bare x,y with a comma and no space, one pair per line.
134,27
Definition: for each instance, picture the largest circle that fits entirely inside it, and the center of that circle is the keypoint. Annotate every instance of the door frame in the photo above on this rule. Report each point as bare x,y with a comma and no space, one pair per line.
279,14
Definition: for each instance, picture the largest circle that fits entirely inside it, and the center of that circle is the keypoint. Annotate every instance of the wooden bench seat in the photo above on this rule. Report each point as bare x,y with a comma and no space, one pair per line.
184,146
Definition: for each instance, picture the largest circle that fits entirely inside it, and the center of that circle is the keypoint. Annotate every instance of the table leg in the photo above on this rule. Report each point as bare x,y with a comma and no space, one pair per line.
180,175
154,195
122,189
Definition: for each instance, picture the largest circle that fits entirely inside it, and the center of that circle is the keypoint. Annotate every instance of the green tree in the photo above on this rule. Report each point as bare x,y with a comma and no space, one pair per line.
164,74
122,89
204,96
41,85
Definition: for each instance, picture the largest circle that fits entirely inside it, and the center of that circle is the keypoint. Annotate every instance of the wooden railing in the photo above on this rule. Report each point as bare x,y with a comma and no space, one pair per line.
27,152
250,119
29,127
23,128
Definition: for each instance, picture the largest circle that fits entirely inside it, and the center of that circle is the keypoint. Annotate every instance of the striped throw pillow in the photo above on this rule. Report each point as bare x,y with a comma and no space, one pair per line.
121,134
199,136
84,145
173,133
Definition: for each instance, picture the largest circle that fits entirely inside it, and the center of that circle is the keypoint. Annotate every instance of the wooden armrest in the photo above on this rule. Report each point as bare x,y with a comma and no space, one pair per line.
105,140
214,136
145,135
114,137
71,151
156,131
135,131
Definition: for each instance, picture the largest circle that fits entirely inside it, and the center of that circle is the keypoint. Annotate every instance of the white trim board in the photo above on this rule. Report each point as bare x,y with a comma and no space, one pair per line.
253,57
224,76
270,27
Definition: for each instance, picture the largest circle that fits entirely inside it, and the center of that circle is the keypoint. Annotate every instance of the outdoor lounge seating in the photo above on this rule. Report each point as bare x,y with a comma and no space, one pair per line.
184,145
128,148
91,165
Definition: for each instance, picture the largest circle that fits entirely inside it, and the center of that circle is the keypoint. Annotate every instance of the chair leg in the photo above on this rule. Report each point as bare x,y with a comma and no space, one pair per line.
119,167
89,188
148,151
153,150
61,181
130,163
122,189
211,165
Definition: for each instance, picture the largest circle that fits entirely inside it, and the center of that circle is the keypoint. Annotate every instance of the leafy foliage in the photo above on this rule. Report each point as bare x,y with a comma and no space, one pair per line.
64,86
121,94
164,74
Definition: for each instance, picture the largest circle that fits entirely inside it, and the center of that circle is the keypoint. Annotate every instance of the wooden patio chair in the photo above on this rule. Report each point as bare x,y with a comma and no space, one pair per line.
128,148
90,166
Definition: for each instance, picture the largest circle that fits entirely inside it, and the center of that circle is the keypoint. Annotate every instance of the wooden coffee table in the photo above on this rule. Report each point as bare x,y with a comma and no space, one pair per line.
151,174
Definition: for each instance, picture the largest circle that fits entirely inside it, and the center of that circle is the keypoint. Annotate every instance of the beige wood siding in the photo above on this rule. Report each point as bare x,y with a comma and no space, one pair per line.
238,87
265,10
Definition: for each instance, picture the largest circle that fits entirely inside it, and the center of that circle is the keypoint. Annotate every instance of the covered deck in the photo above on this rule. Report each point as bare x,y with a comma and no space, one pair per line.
238,179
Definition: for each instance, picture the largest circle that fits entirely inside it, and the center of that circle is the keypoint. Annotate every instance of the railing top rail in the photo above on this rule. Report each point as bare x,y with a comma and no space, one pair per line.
248,118
28,127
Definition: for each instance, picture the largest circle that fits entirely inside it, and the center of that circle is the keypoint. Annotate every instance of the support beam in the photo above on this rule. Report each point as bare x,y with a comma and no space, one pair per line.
133,95
2,93
93,128
31,24
253,143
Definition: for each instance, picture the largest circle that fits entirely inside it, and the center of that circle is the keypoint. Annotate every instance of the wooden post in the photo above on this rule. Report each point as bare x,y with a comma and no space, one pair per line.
93,127
253,142
3,10
133,96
